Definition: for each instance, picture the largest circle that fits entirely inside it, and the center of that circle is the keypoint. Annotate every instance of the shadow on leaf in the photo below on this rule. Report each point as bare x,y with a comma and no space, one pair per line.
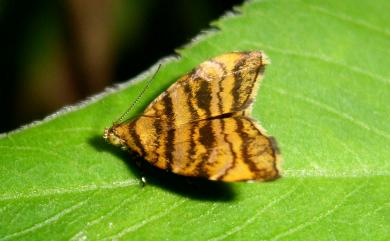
195,188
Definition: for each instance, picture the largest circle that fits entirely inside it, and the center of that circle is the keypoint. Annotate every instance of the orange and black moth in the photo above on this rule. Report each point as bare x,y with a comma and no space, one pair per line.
201,125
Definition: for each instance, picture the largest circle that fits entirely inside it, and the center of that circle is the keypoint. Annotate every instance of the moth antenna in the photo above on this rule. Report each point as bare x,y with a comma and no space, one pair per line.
139,96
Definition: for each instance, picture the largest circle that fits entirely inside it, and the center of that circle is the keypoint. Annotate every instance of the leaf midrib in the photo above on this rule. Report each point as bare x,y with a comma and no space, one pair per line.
37,193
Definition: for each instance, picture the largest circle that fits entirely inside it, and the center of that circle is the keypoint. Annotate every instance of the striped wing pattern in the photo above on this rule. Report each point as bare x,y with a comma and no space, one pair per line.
200,125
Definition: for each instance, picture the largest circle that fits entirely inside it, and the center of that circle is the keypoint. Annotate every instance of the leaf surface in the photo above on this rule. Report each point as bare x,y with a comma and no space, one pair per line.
324,98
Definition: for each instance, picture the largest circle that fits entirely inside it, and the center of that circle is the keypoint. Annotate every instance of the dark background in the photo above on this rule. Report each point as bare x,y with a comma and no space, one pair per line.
55,53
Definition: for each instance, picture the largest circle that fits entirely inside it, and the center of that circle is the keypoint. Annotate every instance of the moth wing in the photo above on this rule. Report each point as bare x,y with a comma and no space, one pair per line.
222,85
227,149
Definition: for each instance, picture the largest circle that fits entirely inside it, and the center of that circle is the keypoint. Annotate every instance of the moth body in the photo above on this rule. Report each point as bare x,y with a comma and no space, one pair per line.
201,125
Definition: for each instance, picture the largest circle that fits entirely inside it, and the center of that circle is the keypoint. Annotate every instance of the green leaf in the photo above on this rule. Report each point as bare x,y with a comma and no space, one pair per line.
325,98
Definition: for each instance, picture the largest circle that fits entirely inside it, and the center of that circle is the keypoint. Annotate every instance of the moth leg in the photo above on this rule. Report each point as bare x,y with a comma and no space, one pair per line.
139,164
143,181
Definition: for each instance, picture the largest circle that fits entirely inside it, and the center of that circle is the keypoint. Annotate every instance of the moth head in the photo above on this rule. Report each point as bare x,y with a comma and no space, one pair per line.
111,135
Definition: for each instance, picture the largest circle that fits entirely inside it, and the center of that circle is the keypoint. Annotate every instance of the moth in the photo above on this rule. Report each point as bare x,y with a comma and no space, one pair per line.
201,125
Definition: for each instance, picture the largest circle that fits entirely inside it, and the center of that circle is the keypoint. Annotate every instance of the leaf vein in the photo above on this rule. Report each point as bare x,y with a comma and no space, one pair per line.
256,215
145,221
325,59
319,217
99,219
44,223
334,111
62,191
349,19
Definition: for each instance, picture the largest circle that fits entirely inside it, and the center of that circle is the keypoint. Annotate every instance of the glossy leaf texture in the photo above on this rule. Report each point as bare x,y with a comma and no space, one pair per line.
325,98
